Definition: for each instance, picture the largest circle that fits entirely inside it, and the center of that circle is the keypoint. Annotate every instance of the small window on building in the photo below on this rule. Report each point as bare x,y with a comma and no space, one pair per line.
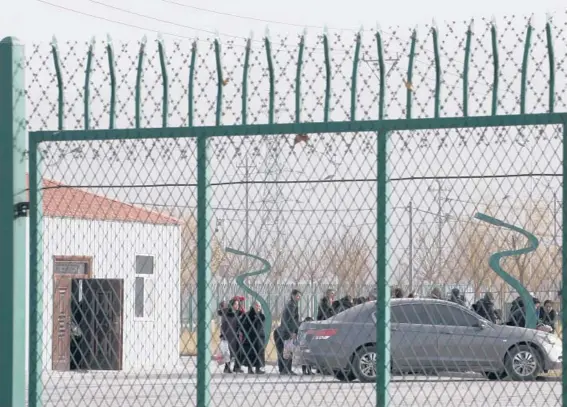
143,287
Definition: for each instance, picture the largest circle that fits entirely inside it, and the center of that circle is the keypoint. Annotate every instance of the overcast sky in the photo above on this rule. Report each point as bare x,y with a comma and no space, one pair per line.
33,20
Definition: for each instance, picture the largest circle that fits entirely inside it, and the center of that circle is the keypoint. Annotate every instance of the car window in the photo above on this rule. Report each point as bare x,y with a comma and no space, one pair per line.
413,314
453,316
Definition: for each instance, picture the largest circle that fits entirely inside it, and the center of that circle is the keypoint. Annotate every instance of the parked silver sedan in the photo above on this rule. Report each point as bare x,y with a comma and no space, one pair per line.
427,336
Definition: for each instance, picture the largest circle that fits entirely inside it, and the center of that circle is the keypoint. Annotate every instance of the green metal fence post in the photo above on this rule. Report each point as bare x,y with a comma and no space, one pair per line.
112,76
551,58
354,77
382,278
409,86
139,76
164,82
298,79
564,267
245,80
191,82
525,63
437,105
327,106
35,280
466,69
87,87
13,139
204,314
496,67
382,75
268,46
220,82
60,90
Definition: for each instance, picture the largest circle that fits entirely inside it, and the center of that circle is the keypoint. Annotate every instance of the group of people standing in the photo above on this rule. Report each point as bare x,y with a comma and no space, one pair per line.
486,308
243,331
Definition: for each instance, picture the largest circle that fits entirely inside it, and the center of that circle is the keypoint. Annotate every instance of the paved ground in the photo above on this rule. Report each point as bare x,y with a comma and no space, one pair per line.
119,390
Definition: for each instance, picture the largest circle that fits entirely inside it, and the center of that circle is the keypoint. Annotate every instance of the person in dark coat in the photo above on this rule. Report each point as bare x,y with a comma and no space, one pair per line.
326,310
436,294
343,304
359,300
231,328
456,297
398,293
518,317
287,330
485,308
516,305
547,315
254,342
307,369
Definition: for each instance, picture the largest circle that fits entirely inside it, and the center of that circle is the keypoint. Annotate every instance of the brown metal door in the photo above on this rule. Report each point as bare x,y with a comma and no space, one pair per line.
105,299
61,358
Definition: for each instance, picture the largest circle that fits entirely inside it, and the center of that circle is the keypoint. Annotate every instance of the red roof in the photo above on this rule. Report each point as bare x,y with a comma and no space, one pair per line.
60,201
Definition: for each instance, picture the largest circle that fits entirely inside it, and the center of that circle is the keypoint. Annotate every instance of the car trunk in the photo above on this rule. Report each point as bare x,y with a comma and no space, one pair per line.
309,330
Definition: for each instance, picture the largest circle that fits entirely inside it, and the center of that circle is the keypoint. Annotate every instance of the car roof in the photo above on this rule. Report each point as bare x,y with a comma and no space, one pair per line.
403,301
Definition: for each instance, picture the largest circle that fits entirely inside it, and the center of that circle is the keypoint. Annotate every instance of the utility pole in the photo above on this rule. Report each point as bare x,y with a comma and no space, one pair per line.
440,199
246,167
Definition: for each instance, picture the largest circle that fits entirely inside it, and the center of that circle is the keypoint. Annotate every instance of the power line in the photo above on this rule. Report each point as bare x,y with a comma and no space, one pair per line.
113,21
159,19
312,181
206,10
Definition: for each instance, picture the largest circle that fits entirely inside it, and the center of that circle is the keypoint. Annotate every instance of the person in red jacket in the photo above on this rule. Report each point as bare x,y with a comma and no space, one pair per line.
241,299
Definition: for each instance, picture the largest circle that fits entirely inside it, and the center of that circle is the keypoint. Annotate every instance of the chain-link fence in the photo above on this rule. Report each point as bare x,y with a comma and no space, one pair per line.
421,165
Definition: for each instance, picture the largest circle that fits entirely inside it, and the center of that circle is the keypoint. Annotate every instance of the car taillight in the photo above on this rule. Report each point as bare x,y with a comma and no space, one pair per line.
322,333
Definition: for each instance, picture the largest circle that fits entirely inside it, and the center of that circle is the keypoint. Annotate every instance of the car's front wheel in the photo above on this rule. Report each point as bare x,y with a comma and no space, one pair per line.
364,364
523,363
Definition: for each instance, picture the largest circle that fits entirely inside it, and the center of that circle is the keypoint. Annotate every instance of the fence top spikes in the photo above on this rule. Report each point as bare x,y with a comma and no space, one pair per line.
92,42
414,32
493,21
108,39
325,30
267,33
54,41
434,25
160,38
471,26
378,29
144,40
251,36
531,20
548,17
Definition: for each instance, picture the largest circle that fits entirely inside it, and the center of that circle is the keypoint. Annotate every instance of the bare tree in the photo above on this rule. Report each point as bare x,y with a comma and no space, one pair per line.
189,252
474,243
348,258
426,259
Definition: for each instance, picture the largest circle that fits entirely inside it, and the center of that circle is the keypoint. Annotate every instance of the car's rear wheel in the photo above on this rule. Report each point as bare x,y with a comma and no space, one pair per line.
523,363
345,376
364,364
495,375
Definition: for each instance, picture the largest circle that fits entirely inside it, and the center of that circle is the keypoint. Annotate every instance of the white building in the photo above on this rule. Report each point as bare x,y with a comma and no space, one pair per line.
116,267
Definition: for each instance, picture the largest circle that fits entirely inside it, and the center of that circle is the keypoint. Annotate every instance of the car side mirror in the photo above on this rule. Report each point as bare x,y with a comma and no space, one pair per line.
480,325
